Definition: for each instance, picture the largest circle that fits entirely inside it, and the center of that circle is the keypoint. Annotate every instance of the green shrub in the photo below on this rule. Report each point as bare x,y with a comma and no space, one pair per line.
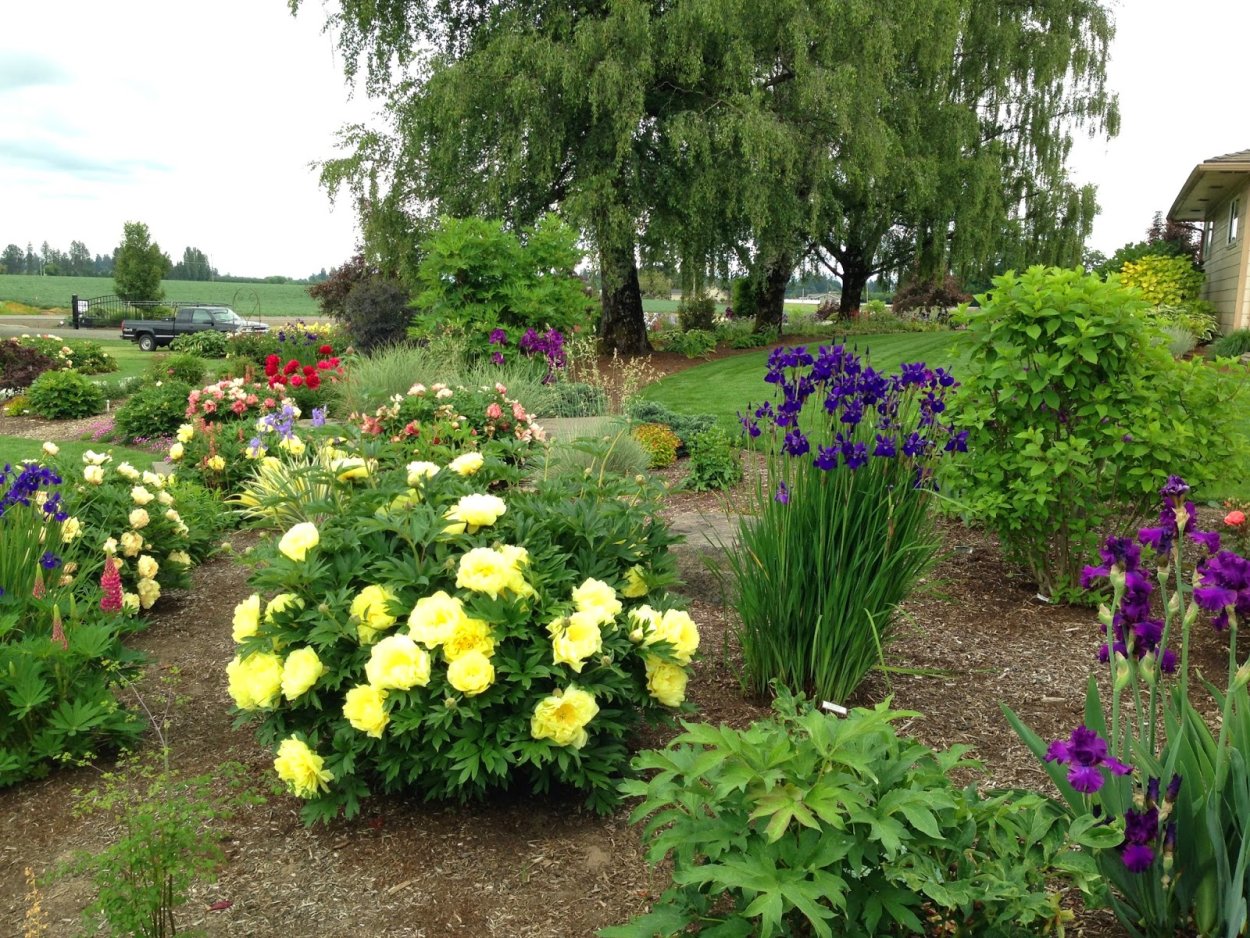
155,410
742,299
1233,345
20,364
208,343
660,442
119,388
1076,414
1195,317
697,312
89,358
1163,280
839,530
714,461
615,453
65,395
805,824
445,663
694,343
642,410
182,366
740,335
200,509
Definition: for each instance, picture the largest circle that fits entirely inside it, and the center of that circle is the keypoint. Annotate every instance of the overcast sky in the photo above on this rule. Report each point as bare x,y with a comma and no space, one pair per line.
200,119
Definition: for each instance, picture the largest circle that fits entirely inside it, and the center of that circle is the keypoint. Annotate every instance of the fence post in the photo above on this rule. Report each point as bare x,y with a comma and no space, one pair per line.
73,305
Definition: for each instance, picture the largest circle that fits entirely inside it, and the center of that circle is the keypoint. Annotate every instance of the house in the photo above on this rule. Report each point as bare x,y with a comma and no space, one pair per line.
1217,195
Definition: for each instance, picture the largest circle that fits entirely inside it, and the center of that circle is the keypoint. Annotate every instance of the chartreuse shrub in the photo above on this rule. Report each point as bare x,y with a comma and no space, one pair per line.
448,634
806,824
642,410
839,528
1075,414
65,395
1163,280
60,651
660,442
1161,791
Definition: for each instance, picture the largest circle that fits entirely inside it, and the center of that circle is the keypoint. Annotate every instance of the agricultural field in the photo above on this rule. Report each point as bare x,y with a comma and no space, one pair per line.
276,300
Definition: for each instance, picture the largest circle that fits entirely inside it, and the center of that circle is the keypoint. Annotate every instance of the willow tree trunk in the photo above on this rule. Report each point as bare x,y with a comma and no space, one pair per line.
769,286
622,327
856,269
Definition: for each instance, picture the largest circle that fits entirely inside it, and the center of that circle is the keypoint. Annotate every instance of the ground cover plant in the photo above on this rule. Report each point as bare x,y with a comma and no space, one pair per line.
532,637
1075,414
843,509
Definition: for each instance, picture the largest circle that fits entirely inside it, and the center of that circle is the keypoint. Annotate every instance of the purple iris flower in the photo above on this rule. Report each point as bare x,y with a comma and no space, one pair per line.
783,493
826,458
319,416
854,455
796,443
885,447
1085,754
49,560
498,337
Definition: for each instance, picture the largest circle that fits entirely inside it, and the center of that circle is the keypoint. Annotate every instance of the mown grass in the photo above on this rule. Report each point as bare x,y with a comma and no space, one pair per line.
727,386
270,300
14,449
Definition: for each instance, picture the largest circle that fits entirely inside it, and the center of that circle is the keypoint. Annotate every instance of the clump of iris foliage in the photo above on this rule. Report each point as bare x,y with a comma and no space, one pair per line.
840,530
1159,801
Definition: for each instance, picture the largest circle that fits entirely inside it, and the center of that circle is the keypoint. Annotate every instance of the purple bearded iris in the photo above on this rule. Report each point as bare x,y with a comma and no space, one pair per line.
1085,753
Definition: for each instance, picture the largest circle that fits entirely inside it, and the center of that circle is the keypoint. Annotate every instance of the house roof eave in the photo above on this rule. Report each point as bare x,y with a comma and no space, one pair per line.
1206,186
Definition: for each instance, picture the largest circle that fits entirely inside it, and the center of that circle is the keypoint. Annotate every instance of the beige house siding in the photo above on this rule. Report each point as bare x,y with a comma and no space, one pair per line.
1225,264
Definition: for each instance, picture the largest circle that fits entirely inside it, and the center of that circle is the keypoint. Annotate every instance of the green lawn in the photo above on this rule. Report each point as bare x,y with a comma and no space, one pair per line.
725,387
13,449
670,306
271,300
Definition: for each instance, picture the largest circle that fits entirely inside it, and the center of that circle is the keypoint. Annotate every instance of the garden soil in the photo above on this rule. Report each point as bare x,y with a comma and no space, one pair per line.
974,635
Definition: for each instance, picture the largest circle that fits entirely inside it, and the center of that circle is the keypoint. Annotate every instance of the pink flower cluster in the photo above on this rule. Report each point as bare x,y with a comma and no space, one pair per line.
231,398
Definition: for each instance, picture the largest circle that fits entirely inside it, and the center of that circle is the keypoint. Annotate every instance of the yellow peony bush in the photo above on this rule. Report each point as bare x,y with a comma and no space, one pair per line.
451,633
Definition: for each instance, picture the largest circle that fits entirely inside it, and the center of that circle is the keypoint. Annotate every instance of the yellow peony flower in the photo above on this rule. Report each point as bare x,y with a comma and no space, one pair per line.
300,671
281,602
577,639
176,452
180,557
128,472
434,619
466,464
149,592
51,448
216,463
130,602
469,635
110,545
132,543
293,445
139,518
165,499
635,583
471,673
93,458
484,570
246,618
666,681
676,628
371,610
365,709
255,681
419,471
172,515
147,566
399,663
152,479
185,433
477,511
141,496
597,598
93,474
70,529
298,541
348,468
563,716
302,769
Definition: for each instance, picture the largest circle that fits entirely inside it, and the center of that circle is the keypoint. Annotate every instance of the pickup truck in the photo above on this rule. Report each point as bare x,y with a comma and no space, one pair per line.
152,333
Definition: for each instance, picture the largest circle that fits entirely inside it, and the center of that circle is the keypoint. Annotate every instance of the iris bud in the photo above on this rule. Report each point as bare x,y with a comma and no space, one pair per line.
1123,673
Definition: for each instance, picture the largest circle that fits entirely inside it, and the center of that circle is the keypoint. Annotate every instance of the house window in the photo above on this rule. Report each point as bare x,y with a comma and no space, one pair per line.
1234,220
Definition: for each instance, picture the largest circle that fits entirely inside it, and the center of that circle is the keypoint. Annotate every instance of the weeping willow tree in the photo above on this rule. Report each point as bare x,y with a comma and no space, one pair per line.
898,135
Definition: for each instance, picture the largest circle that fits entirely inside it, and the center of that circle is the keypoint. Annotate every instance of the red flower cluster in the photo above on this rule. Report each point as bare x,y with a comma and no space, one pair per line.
111,584
297,375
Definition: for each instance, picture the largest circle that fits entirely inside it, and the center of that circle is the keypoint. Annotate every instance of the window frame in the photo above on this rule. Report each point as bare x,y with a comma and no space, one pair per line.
1234,220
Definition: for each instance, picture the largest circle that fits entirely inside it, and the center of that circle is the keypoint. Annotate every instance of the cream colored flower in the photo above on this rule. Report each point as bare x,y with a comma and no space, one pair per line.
147,566
371,608
477,511
216,463
398,663
110,546
130,602
141,496
466,464
176,452
149,592
51,448
139,518
93,474
297,542
598,599
172,515
300,671
185,433
154,480
165,498
180,557
418,471
677,628
132,543
578,637
471,673
484,570
95,459
128,472
70,529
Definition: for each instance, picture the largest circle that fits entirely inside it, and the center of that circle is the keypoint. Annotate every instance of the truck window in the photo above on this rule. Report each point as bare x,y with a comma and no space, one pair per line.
202,317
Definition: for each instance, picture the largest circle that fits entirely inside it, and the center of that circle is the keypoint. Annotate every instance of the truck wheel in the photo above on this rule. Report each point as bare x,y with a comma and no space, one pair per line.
147,342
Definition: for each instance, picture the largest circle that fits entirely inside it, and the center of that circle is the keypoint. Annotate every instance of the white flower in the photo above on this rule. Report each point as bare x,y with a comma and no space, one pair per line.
51,448
139,495
128,472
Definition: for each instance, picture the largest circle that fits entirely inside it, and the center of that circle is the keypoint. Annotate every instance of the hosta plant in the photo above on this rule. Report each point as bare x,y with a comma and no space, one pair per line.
807,824
450,633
